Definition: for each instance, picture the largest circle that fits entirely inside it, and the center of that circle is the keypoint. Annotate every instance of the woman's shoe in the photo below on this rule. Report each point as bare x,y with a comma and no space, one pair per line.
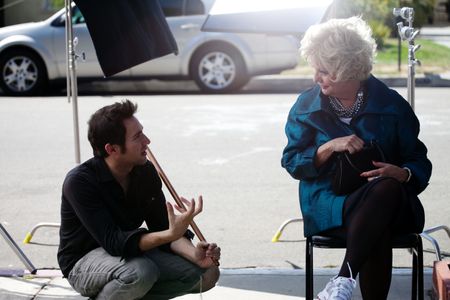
338,288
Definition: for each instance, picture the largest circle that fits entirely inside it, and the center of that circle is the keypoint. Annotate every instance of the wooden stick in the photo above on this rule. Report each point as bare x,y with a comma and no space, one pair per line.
175,196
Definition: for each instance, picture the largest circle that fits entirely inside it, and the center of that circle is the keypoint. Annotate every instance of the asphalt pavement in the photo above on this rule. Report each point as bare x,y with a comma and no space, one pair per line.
254,276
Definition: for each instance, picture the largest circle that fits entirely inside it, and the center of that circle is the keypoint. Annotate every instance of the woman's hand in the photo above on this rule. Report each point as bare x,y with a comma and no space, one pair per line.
350,143
386,170
206,254
178,224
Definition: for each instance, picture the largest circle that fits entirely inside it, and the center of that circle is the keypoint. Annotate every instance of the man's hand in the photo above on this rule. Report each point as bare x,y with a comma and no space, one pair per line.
178,224
386,170
206,254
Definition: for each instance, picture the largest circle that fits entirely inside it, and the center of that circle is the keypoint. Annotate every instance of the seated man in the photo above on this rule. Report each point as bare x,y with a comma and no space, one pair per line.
103,251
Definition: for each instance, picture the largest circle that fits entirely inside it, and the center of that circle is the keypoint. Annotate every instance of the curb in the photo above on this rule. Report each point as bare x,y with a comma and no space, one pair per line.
280,83
258,84
301,272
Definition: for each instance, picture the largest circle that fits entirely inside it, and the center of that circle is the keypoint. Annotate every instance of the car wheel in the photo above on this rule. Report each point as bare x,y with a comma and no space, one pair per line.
218,68
22,73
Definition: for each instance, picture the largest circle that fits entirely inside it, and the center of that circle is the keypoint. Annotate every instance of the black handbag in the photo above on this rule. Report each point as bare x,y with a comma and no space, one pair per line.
347,177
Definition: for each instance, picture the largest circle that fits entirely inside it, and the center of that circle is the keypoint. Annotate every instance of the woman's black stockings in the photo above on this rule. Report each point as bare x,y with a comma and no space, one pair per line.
369,224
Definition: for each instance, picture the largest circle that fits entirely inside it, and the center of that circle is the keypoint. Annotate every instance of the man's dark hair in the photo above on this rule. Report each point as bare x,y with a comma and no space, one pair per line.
106,126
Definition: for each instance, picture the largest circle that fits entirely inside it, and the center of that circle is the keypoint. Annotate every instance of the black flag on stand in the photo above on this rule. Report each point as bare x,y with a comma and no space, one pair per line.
126,33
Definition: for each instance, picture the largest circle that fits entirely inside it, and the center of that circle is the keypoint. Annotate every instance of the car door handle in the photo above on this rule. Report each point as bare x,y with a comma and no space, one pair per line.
190,26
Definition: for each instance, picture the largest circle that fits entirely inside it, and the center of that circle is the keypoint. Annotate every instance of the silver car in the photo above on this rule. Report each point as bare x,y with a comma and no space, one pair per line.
32,55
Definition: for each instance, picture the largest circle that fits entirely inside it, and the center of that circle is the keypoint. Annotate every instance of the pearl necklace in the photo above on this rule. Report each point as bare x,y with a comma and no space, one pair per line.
347,112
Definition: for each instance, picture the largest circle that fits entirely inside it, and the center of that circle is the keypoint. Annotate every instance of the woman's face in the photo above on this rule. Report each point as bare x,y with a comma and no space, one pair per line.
326,81
331,87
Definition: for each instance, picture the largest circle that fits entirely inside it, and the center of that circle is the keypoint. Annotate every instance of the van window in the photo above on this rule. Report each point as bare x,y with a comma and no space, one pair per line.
77,18
194,7
172,8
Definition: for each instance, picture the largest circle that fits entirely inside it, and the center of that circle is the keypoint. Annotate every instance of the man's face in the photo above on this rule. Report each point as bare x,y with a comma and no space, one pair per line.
136,143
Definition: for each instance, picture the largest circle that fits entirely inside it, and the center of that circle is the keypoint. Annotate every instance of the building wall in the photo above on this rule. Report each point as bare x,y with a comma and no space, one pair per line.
441,12
2,21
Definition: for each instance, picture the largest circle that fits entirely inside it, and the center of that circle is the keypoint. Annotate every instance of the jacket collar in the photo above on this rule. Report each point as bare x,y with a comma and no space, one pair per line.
102,169
104,173
379,99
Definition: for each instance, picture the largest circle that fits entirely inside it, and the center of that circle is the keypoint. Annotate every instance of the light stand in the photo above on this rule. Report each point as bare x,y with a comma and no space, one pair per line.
409,34
72,88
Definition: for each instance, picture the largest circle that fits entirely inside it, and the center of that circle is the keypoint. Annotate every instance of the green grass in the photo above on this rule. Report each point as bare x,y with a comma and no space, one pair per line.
434,58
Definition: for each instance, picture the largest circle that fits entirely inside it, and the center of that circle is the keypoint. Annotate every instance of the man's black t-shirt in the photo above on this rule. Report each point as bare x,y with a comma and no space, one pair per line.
96,212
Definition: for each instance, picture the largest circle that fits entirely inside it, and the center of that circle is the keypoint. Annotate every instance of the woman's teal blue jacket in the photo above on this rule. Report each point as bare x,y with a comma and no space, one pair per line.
386,117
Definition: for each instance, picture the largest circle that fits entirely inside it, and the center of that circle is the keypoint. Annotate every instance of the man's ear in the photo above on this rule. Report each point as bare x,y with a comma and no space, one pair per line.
111,149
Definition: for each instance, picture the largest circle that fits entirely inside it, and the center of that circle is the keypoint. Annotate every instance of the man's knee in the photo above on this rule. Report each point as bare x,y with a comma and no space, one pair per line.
148,273
210,278
140,275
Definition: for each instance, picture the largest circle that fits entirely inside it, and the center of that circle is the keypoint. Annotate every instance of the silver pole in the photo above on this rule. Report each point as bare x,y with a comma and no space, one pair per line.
17,250
68,46
411,75
72,88
411,64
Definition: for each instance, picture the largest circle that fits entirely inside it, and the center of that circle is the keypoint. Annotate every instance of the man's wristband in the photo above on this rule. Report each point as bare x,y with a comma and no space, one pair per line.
409,174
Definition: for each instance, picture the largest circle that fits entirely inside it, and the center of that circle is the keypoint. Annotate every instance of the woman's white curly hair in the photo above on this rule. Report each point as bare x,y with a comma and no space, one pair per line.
345,48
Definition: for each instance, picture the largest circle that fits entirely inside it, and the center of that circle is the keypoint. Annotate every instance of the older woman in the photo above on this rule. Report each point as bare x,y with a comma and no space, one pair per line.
345,110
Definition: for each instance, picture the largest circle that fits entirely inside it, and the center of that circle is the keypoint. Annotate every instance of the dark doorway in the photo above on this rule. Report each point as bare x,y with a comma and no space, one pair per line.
2,19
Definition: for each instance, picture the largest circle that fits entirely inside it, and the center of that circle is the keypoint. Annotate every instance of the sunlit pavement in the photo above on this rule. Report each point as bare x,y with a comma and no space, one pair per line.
235,284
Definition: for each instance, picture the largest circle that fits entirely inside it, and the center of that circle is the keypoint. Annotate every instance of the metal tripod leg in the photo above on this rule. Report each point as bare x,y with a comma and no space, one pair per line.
17,250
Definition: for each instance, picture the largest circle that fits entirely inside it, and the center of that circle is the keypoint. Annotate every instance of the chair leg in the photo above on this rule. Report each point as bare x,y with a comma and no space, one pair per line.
417,276
420,268
414,273
309,282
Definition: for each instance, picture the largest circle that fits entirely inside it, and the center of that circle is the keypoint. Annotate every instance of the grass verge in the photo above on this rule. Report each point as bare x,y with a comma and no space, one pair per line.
434,58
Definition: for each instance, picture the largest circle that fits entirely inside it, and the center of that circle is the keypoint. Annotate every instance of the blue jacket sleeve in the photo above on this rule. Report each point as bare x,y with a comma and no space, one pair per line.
298,155
413,152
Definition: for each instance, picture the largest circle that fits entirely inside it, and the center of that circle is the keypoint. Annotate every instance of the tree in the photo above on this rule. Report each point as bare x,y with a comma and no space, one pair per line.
423,10
57,4
379,14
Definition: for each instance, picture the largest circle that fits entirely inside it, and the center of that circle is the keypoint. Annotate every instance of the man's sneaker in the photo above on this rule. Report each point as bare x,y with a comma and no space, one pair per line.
339,288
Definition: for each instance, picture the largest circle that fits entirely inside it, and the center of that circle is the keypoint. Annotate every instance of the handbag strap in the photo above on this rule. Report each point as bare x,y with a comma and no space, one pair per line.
372,143
347,157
